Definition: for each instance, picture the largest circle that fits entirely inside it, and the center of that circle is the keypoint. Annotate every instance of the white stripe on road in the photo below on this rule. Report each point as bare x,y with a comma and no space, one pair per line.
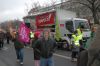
69,58
5,48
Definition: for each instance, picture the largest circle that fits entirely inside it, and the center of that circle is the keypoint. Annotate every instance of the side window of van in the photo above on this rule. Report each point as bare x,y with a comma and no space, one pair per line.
69,26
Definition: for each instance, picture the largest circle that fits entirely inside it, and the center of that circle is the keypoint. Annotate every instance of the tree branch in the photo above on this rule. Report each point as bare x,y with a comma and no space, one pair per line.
84,4
90,1
97,2
98,6
98,9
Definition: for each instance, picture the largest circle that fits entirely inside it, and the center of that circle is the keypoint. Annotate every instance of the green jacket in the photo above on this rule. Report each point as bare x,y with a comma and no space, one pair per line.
18,44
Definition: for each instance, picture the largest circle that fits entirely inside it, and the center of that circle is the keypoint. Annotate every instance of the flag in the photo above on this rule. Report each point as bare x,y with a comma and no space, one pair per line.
23,33
57,34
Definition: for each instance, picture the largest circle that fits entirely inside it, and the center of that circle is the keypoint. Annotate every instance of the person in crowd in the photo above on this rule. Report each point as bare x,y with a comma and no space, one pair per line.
75,45
1,39
47,47
8,37
36,49
18,48
80,36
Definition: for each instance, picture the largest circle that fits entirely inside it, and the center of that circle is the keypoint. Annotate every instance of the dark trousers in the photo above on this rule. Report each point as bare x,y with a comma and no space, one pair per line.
7,40
81,45
74,54
81,49
1,44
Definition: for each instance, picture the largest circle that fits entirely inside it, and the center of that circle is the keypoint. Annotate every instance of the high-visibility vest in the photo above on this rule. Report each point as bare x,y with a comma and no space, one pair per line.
31,35
76,40
80,34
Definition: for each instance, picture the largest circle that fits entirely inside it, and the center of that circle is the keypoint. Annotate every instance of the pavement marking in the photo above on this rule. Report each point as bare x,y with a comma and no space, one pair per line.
66,57
5,48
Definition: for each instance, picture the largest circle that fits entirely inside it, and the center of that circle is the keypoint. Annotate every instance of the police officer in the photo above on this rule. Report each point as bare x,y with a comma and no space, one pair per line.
80,36
75,45
31,37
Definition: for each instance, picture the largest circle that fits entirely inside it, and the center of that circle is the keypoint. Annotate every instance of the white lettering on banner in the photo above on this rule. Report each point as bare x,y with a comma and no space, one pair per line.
23,33
45,18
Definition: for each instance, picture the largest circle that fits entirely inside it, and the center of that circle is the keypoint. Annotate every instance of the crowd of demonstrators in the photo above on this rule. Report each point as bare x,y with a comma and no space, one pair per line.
4,36
43,48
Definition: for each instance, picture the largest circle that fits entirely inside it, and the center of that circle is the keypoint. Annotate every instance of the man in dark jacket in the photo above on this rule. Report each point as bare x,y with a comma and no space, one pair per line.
18,48
1,39
47,47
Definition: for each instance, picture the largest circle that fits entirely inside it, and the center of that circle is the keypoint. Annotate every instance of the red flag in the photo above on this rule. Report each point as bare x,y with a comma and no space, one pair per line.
24,32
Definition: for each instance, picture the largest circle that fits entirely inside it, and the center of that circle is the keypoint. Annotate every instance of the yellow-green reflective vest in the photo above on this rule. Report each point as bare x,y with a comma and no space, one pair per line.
76,40
80,34
31,35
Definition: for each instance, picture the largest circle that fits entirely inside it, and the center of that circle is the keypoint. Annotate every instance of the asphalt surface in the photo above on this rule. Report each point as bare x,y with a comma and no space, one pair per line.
8,57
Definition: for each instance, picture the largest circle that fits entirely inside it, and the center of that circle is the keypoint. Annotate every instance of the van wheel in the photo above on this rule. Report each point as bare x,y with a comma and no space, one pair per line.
65,45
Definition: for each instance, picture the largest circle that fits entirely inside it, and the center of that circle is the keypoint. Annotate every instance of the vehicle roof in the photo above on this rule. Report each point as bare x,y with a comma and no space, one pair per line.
72,19
39,13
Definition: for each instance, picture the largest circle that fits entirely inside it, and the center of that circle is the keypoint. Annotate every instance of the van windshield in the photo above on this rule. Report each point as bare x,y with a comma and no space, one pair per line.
82,23
69,26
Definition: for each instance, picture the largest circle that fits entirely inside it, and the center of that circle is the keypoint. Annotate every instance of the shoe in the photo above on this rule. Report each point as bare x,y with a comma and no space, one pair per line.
21,63
75,60
27,47
72,59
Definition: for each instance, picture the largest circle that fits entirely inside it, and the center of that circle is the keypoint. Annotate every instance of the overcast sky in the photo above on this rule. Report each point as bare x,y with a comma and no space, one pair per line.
16,9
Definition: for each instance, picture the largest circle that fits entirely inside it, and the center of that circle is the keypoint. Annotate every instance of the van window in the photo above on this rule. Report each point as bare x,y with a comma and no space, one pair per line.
82,23
69,26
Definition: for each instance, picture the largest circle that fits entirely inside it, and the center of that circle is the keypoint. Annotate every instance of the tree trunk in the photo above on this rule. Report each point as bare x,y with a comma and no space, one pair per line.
94,14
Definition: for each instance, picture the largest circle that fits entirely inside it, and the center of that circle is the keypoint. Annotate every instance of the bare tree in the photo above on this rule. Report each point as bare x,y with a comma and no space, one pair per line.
92,5
35,7
53,2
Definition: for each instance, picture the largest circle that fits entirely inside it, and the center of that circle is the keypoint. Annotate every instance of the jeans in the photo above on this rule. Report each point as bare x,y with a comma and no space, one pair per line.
46,62
19,53
37,62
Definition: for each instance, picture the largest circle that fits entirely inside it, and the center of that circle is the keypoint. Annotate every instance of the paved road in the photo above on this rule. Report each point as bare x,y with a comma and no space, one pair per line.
8,57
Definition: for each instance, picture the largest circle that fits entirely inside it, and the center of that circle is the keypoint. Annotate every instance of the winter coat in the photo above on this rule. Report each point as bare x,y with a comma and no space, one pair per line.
47,47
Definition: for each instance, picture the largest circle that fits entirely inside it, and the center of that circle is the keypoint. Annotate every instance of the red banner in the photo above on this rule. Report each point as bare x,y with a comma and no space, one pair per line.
45,19
23,32
61,25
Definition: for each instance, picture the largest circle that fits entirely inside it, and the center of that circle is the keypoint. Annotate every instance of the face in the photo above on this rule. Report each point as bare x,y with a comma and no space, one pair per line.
46,34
